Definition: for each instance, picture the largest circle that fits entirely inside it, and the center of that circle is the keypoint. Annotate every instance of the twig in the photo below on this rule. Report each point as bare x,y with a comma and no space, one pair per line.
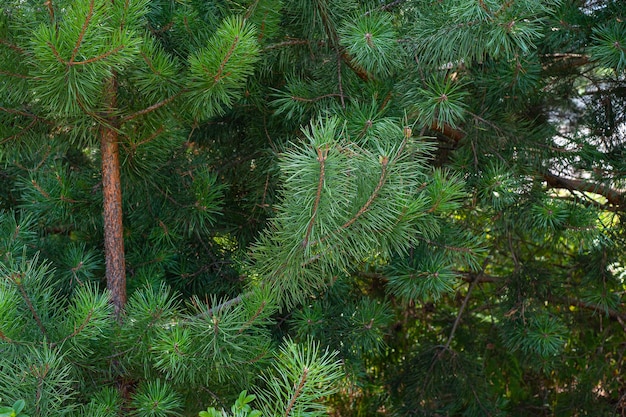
298,391
322,154
461,310
20,287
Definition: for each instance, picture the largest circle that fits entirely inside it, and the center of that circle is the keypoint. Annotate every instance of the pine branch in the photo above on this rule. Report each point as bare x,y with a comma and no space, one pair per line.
12,46
613,196
322,154
152,108
297,392
17,281
81,35
463,306
75,332
381,181
50,7
99,57
292,42
22,76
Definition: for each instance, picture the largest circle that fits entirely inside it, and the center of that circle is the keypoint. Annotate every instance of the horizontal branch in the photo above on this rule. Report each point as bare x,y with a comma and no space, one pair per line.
614,197
153,107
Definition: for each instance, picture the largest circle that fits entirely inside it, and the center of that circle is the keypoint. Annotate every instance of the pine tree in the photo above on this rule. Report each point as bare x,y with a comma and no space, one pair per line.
327,207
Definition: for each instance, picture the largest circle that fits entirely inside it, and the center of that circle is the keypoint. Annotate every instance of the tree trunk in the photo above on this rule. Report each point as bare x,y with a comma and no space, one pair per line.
112,206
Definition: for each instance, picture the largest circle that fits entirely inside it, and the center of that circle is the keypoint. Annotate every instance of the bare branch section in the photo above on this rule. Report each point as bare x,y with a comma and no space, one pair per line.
614,197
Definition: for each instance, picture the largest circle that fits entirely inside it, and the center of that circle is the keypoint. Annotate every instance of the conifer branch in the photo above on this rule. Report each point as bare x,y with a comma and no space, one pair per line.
322,154
50,7
613,196
315,99
99,57
56,53
153,107
292,42
76,331
357,69
460,313
11,46
297,392
256,314
373,196
5,338
27,300
217,77
79,41
11,74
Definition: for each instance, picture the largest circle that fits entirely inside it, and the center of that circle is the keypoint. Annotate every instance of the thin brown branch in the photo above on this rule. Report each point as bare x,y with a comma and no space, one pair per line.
76,330
339,82
99,57
50,7
297,393
315,99
152,108
81,35
11,46
220,71
11,74
460,313
381,181
292,42
613,314
449,131
256,315
56,53
357,69
17,280
614,197
322,154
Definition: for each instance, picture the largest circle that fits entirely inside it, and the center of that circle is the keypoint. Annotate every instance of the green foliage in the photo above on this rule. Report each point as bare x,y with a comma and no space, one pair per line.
341,207
14,411
241,408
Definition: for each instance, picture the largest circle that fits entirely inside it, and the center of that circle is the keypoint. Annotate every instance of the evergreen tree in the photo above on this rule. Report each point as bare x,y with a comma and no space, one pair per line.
340,207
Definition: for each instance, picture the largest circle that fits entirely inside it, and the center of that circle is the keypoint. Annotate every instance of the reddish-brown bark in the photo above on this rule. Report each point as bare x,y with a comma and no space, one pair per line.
112,206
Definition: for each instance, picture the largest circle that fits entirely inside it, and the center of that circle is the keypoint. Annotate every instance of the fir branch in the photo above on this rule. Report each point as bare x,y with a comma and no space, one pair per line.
297,392
81,35
18,112
613,196
448,131
149,139
322,154
613,314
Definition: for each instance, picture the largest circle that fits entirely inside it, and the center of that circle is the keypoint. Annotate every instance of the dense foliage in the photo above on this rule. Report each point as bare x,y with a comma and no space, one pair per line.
307,208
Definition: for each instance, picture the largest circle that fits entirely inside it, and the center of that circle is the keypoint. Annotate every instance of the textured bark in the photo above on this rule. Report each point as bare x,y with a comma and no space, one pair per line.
112,207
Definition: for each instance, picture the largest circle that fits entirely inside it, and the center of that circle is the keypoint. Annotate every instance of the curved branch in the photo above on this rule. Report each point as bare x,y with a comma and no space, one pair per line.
613,196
